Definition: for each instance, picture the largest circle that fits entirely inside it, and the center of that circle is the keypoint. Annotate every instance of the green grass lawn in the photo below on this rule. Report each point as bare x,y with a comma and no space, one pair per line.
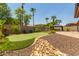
20,41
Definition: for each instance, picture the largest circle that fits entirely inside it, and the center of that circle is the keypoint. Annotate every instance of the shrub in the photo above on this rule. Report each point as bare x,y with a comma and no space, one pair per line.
24,31
52,31
37,30
2,38
30,31
68,29
15,29
1,35
5,31
57,29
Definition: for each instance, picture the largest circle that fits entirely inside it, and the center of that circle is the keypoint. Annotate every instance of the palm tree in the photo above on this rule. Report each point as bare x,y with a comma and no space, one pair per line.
53,18
20,15
27,19
22,6
58,21
33,10
46,20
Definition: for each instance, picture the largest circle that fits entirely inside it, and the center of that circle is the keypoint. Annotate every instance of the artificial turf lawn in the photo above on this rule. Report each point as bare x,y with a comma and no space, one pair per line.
20,41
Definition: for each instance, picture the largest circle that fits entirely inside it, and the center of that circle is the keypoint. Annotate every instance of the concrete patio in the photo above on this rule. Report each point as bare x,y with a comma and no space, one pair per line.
66,42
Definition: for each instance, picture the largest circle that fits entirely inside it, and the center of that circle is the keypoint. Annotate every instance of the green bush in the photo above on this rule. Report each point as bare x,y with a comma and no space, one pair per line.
1,35
68,29
5,31
2,38
52,31
57,29
37,30
30,31
15,29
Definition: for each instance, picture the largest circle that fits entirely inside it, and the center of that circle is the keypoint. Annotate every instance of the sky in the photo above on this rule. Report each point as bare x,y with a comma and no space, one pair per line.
63,11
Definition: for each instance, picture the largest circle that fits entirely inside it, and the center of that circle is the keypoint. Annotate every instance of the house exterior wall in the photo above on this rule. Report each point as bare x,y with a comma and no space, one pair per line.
71,28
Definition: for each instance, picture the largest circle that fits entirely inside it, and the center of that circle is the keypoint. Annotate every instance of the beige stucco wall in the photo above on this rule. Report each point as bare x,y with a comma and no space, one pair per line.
71,28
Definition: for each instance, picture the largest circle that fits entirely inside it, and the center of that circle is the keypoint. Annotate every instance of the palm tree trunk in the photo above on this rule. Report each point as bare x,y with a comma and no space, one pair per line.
53,20
49,27
20,23
23,20
53,27
33,23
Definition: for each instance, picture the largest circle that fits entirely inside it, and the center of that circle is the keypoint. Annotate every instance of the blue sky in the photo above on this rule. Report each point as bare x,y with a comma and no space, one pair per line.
63,11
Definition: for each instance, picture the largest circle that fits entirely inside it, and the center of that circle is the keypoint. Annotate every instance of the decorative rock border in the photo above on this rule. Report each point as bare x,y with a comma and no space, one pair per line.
44,48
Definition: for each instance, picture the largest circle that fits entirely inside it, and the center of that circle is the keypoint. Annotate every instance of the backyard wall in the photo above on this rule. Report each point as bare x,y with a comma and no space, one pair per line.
71,28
